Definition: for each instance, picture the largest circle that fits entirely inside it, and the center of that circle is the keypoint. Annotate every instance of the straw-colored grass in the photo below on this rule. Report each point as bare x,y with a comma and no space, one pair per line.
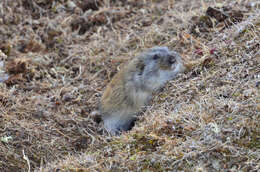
59,57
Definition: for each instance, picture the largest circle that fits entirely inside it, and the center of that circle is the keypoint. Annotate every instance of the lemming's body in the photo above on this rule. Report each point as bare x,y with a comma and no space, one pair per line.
132,87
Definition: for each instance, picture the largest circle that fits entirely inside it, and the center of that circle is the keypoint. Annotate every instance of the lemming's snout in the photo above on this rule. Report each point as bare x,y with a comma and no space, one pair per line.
171,60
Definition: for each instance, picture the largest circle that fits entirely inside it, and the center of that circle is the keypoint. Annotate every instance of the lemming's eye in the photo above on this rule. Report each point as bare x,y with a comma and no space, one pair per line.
155,57
172,60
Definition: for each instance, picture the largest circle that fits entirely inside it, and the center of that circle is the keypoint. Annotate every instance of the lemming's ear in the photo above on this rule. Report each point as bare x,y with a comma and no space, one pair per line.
155,57
140,67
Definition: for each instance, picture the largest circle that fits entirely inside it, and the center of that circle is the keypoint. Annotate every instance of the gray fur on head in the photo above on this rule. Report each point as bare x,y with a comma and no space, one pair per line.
160,65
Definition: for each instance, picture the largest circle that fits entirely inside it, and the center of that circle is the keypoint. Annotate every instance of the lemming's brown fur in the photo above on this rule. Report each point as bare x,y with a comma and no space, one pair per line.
132,87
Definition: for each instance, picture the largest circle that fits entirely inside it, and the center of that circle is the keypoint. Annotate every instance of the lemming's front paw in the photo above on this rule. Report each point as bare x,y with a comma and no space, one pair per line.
116,128
127,125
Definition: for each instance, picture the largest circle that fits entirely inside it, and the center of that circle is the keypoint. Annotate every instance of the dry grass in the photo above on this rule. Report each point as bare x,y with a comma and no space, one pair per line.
60,56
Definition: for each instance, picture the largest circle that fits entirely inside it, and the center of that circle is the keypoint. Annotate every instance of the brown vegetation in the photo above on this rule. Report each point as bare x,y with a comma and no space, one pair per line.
56,57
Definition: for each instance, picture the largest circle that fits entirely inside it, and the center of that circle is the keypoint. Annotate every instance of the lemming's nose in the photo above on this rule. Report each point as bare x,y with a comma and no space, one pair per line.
171,59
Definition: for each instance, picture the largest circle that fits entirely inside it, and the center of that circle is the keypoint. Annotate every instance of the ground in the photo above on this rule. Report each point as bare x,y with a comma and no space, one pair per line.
57,57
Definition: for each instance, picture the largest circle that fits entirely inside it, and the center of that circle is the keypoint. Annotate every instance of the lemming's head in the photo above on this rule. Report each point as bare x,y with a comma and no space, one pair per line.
158,65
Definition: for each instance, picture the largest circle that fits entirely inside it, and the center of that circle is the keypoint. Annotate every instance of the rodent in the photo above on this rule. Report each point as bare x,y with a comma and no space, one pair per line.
132,87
